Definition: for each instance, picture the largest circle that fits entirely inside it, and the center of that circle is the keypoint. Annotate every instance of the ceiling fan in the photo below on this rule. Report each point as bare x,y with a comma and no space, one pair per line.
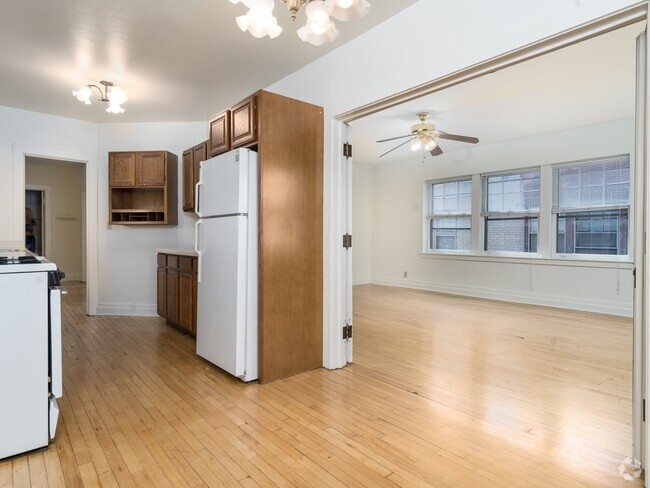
424,135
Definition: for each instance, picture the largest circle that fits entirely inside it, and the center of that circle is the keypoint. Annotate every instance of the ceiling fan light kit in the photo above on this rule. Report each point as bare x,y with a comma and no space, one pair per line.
319,28
424,135
112,95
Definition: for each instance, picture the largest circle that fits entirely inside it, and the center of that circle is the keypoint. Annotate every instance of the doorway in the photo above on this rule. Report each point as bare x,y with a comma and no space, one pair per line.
53,195
463,272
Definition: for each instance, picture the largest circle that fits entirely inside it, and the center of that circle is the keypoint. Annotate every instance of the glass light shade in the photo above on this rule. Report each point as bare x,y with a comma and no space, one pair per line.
114,108
306,35
416,145
318,18
83,94
355,9
430,145
117,95
260,22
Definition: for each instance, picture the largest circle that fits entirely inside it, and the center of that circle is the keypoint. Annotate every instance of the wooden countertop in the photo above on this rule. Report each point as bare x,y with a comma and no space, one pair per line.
178,252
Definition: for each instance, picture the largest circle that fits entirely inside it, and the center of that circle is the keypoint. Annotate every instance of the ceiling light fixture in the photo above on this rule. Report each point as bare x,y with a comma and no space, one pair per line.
111,95
260,21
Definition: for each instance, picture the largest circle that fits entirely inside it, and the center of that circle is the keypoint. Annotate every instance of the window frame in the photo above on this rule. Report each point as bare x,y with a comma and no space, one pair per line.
628,257
485,215
429,215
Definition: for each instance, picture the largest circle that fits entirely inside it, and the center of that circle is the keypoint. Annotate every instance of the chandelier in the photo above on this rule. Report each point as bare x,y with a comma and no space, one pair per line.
260,21
111,95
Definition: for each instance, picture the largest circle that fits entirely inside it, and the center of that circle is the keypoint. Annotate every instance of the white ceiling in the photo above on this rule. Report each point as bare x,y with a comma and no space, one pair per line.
178,60
581,85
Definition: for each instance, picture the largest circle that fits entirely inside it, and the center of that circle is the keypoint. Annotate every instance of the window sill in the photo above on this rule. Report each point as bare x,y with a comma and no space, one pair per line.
535,260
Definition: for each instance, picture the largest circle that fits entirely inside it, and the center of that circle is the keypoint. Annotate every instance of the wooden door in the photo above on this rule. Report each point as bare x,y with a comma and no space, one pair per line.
150,169
121,169
162,292
219,139
185,295
243,123
172,296
188,181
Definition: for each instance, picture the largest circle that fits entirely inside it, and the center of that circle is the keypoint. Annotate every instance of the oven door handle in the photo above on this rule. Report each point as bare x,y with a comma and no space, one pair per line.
56,373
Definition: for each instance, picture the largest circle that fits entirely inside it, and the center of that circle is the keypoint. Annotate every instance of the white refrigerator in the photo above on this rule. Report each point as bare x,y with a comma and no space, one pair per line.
226,243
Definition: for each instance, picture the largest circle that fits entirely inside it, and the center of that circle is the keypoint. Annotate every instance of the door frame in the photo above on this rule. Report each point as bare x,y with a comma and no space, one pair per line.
47,217
340,202
20,152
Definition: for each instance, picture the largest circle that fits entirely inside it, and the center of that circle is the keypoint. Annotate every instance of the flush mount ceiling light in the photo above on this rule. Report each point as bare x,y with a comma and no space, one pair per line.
111,95
260,21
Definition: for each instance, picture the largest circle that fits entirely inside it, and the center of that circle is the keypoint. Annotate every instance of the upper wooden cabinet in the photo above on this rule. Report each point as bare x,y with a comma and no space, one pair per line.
121,169
192,158
150,168
243,123
219,130
143,188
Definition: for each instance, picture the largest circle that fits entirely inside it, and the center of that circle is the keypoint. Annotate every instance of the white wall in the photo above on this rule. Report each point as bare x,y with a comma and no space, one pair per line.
127,264
34,130
361,224
397,219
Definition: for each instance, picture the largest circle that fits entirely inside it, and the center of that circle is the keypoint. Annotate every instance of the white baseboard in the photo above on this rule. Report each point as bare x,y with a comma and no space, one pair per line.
128,309
364,280
597,306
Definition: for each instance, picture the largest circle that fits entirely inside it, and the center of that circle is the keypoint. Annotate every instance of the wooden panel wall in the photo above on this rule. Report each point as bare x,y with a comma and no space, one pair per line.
291,236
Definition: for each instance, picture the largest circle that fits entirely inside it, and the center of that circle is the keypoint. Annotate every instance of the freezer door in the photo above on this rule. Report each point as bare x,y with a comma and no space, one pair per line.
222,293
223,187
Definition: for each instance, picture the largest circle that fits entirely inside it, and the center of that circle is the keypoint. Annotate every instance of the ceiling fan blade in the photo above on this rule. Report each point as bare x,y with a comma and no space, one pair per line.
455,137
397,147
436,151
395,138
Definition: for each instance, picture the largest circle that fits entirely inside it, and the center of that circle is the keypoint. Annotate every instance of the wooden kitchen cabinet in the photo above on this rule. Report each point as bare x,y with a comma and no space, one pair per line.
192,158
177,291
121,169
143,188
219,130
162,291
243,123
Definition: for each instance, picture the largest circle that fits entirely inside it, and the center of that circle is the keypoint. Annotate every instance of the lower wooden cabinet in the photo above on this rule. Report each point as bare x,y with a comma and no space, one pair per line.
177,291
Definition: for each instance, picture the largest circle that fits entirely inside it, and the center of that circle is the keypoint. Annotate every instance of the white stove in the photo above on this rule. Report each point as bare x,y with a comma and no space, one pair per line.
30,351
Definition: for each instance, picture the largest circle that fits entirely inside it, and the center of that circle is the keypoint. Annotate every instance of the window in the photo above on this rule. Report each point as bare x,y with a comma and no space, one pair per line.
591,205
511,211
449,215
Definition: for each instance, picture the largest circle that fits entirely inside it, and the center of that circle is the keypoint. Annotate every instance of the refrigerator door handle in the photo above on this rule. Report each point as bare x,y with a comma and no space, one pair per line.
197,202
196,246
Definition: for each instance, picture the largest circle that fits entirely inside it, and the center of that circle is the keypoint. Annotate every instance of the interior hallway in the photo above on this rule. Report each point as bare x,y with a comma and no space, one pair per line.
445,391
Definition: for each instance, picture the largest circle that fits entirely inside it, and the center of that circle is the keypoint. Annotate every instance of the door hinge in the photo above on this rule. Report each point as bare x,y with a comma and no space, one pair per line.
634,276
347,150
347,332
347,241
643,410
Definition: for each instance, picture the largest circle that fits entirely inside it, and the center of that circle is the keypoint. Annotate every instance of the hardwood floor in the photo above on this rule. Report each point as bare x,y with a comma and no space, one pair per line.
444,392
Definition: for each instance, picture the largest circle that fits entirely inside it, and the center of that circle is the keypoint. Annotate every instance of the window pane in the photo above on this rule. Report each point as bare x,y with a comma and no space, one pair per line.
593,184
600,232
513,193
451,233
511,234
451,197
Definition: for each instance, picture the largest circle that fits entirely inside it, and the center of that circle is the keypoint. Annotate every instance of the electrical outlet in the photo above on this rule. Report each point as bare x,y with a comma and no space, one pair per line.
406,274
